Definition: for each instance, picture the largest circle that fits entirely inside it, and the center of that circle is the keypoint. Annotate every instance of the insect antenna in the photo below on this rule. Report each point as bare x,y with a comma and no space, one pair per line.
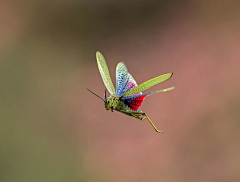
96,94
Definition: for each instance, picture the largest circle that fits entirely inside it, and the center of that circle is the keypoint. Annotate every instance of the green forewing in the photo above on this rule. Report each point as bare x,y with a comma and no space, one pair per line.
148,84
103,69
149,93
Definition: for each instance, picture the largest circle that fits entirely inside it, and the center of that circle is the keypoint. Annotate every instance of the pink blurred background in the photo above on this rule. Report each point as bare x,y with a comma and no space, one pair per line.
53,129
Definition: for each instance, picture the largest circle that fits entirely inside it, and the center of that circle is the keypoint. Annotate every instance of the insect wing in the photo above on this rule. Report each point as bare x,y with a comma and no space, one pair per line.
149,93
103,69
130,84
136,102
121,78
148,84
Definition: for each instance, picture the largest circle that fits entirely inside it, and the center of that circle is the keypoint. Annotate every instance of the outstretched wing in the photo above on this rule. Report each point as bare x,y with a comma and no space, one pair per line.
148,84
103,69
121,78
135,102
149,93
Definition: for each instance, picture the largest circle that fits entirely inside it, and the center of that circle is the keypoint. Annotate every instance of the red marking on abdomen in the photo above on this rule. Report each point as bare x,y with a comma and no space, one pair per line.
134,103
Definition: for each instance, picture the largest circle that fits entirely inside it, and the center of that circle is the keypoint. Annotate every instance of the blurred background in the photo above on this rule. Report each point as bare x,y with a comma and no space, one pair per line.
53,129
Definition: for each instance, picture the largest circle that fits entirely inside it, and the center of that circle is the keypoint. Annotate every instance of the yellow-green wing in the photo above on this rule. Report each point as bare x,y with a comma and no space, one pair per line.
148,84
103,69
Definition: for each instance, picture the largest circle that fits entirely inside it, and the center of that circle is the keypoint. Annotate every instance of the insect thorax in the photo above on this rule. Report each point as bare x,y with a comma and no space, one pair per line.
112,102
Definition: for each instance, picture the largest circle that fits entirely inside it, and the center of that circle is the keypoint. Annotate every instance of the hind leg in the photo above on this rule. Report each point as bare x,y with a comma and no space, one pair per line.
141,115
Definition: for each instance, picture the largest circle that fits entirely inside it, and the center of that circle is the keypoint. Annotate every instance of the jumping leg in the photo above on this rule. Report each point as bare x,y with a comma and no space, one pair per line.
138,115
155,128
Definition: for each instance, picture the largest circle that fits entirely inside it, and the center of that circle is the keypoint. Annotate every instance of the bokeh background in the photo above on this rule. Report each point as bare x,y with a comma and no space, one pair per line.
53,129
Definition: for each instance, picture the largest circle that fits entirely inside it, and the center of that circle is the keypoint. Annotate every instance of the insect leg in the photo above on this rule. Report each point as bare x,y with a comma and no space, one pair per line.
138,115
143,117
155,128
132,113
